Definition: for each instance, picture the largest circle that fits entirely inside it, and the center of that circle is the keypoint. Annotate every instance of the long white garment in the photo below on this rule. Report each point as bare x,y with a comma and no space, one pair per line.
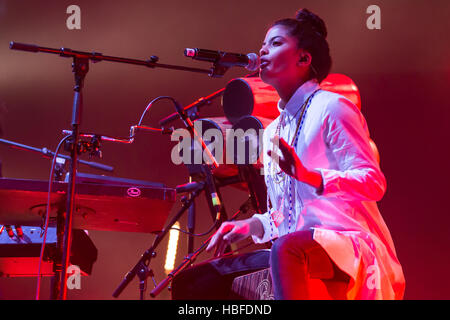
334,140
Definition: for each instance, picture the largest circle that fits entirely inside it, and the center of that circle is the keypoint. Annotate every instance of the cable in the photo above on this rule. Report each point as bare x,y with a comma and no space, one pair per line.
47,216
195,234
151,103
133,129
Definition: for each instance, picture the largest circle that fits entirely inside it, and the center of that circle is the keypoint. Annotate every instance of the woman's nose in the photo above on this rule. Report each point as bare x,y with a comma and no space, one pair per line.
262,51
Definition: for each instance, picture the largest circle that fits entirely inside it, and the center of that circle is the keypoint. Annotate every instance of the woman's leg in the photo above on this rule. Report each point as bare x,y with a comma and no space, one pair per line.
295,257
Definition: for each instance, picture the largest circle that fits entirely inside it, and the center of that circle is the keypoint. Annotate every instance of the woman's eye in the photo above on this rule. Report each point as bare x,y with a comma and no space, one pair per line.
276,43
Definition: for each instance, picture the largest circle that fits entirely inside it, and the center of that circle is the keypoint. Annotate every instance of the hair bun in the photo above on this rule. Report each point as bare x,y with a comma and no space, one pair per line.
306,16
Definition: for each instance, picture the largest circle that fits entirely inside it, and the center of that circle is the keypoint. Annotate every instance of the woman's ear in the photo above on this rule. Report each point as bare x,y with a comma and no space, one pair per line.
305,58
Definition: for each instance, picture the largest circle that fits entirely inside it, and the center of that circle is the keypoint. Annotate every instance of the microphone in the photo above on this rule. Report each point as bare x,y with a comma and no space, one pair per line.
224,59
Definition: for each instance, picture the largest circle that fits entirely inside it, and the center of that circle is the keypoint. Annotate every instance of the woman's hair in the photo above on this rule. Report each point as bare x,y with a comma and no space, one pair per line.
310,32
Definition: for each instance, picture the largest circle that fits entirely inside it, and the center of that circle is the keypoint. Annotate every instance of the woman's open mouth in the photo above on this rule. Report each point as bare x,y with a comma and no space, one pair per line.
264,64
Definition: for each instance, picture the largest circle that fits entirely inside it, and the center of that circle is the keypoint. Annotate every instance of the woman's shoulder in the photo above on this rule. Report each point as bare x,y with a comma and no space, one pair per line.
336,105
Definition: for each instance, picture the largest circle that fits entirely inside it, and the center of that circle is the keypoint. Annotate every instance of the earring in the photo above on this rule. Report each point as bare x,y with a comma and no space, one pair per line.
303,59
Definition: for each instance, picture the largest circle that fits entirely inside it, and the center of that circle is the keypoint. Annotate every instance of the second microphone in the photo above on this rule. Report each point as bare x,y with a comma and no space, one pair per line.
226,59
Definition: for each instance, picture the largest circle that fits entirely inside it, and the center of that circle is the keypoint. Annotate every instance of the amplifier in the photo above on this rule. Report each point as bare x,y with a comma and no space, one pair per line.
20,249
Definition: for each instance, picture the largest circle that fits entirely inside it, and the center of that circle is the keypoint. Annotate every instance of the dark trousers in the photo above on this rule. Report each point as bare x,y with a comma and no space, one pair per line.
294,259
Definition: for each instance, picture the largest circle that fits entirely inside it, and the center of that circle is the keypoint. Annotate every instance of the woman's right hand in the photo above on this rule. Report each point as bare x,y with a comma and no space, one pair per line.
230,232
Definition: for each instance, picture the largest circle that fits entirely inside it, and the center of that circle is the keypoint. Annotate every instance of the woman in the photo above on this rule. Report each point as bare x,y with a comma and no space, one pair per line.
322,178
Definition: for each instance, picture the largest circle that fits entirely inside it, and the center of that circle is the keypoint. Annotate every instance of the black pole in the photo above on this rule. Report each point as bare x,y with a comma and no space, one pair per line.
191,225
80,68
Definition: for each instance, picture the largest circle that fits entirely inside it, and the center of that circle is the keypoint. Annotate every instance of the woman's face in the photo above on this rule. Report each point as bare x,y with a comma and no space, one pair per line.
279,57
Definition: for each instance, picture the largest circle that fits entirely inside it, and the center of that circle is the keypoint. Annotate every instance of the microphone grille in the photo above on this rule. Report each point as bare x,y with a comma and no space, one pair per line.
253,62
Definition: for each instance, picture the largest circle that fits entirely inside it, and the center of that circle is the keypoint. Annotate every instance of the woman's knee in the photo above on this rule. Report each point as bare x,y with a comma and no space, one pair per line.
290,245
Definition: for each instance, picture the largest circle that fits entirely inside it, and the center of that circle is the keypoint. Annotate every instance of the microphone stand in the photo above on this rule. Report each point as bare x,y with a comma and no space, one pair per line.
141,268
97,57
193,106
199,103
80,68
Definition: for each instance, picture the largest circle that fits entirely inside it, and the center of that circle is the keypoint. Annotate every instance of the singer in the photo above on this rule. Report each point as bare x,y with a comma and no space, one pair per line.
322,178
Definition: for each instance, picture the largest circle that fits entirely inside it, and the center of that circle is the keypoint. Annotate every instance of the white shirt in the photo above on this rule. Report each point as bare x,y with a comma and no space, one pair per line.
334,140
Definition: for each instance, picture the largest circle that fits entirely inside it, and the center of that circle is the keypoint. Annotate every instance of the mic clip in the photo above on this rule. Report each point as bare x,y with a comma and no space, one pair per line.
152,61
93,146
217,70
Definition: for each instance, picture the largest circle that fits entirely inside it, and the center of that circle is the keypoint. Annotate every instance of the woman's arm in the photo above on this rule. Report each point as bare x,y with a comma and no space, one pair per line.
358,176
291,164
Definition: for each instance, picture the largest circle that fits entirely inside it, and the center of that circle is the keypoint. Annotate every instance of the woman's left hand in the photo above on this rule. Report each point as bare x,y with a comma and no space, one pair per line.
289,161
291,164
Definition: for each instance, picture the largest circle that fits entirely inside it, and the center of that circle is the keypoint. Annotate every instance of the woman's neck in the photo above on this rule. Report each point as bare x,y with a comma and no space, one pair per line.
287,90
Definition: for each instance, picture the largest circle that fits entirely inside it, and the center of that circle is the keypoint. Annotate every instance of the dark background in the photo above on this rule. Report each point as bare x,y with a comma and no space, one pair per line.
402,71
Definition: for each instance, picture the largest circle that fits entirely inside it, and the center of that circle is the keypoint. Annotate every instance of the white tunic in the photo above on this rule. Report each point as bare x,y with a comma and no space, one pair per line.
334,140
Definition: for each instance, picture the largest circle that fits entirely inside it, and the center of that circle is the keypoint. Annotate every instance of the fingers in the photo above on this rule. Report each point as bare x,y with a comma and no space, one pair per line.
230,237
276,158
274,155
284,147
217,238
282,163
221,247
228,232
212,243
280,142
214,240
287,158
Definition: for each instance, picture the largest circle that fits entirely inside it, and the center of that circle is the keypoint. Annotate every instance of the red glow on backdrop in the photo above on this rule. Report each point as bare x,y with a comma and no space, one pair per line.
343,85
